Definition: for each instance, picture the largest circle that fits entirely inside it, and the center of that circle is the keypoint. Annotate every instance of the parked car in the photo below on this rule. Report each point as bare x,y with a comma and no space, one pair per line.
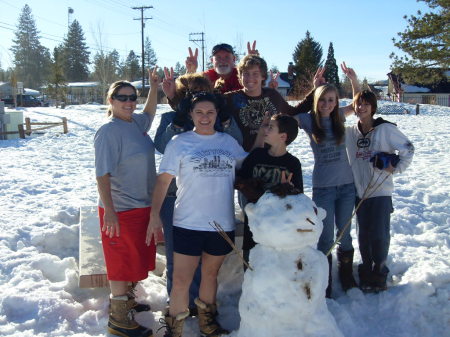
23,101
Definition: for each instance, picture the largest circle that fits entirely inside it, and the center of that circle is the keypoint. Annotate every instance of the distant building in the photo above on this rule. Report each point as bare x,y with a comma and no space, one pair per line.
286,81
438,94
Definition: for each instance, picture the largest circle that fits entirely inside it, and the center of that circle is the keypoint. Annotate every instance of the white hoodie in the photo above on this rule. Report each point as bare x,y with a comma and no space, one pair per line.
384,137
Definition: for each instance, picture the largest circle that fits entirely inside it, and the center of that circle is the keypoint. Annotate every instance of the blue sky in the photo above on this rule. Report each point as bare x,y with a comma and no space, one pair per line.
361,31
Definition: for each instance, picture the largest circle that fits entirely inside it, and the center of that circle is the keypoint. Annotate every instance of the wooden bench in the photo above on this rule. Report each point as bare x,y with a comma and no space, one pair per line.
92,263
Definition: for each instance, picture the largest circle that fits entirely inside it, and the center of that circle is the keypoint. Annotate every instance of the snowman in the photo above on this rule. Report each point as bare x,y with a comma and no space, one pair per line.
284,294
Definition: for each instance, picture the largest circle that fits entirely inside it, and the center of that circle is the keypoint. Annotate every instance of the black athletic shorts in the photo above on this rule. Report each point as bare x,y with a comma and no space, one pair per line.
193,243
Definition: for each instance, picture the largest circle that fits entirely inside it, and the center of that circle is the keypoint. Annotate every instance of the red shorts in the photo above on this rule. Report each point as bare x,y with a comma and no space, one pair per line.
127,257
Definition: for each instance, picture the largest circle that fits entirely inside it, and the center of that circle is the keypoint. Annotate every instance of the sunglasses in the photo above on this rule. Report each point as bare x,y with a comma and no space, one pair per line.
124,98
222,46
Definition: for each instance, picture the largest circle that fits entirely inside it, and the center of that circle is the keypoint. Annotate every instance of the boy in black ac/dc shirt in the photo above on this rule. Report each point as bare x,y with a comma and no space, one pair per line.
269,166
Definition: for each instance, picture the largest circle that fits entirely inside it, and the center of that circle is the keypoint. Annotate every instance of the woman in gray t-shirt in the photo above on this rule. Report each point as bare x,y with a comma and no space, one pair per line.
333,187
126,174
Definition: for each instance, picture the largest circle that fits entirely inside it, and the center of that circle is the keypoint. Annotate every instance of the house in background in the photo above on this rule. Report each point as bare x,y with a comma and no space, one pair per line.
285,81
419,94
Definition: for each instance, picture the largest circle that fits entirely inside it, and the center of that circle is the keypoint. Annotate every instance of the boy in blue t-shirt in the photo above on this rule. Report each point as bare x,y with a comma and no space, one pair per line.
267,167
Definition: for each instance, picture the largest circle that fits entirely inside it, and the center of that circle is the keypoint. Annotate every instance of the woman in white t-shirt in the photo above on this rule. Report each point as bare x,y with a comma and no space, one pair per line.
203,162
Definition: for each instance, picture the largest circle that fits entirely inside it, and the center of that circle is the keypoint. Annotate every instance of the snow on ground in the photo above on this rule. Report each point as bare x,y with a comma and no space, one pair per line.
45,179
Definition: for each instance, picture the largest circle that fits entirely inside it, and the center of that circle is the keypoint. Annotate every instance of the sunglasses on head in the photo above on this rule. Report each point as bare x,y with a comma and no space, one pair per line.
124,98
222,46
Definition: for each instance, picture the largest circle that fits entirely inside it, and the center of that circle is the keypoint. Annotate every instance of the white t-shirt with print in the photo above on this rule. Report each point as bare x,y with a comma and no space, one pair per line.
204,166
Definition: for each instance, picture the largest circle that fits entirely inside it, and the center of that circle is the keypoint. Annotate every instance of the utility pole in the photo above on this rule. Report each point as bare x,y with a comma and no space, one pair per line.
142,8
202,40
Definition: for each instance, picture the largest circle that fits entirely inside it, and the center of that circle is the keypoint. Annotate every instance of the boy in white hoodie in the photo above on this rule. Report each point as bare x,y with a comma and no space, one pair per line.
377,149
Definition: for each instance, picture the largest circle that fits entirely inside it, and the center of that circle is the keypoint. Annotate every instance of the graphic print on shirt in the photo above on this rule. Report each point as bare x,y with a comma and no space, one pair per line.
213,163
363,145
252,113
271,175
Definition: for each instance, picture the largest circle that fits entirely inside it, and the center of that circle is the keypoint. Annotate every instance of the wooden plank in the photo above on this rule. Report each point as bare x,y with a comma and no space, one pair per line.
91,260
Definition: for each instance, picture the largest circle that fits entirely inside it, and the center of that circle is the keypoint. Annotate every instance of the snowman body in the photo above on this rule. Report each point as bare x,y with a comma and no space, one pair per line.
284,296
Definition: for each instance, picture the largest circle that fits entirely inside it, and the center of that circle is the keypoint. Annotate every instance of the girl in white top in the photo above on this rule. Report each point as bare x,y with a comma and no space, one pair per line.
203,162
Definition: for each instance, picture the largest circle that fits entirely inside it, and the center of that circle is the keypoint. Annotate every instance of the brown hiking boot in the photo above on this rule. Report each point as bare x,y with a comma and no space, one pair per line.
207,314
173,325
121,320
138,307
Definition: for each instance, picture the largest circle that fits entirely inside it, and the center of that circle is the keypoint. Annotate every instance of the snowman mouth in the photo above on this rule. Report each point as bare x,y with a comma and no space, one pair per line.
304,230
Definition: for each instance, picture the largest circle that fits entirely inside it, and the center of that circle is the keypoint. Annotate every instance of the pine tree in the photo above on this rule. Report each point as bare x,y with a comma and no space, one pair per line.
75,54
365,84
179,69
331,69
57,87
106,69
150,55
307,58
131,69
31,59
426,41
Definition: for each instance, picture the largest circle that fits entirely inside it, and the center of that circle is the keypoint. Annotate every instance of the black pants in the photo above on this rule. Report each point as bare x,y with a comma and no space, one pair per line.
374,222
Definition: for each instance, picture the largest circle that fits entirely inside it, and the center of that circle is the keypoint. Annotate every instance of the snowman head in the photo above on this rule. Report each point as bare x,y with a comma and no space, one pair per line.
290,222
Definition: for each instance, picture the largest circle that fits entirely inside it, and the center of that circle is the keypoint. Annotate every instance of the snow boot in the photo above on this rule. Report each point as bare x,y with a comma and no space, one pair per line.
138,307
330,282
379,277
345,268
174,325
121,320
207,313
365,278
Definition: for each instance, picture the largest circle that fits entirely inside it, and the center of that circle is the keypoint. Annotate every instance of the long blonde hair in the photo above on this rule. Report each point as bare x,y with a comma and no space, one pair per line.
318,133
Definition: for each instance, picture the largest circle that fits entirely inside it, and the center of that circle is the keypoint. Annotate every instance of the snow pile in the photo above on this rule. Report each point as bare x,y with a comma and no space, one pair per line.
292,299
45,179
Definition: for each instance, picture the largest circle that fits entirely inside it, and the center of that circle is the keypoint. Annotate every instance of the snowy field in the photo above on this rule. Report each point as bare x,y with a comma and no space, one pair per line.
45,179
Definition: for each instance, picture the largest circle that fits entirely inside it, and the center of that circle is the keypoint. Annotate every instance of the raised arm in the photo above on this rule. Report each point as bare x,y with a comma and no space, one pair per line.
152,98
350,73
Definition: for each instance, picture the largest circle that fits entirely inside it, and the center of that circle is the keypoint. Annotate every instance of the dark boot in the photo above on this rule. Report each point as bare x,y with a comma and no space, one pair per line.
121,320
138,307
174,325
379,275
345,267
329,288
207,314
365,278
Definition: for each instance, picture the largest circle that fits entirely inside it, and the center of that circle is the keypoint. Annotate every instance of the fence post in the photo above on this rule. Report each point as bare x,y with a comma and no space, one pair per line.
21,131
28,126
417,109
66,129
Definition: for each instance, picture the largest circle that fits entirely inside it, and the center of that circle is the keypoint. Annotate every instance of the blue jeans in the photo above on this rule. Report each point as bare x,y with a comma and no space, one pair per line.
374,223
338,202
166,215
